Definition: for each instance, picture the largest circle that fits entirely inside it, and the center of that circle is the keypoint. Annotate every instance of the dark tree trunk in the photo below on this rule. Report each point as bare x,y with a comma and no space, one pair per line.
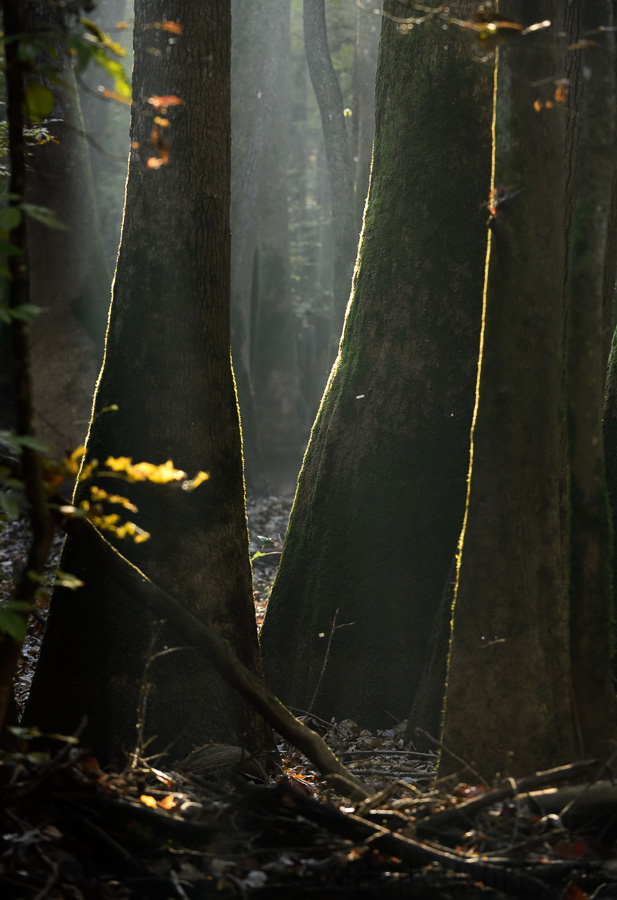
340,164
589,581
167,369
508,695
381,494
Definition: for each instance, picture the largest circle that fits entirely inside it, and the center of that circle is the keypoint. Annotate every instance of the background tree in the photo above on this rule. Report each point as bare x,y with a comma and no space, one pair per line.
69,275
167,370
107,123
274,357
381,494
256,72
17,296
338,155
509,668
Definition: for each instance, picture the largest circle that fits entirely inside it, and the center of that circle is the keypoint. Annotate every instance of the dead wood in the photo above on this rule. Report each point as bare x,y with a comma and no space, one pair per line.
515,882
457,819
219,654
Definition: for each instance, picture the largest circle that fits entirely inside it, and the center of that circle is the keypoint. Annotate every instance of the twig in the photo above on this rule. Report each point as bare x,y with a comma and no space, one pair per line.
453,755
325,663
219,654
461,815
414,853
144,693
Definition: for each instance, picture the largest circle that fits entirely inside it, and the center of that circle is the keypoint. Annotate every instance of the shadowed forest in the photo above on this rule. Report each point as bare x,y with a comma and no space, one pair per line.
308,476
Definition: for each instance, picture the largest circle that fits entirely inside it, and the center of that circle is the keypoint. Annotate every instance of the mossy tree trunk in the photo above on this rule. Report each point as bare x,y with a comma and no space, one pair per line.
589,575
274,359
381,493
508,701
167,369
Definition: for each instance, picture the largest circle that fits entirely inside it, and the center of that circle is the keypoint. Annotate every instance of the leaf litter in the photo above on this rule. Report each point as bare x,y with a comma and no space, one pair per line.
217,824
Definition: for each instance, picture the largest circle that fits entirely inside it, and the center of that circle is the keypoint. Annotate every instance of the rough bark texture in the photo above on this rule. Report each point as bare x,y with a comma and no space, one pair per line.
589,581
167,368
508,693
338,155
274,360
609,431
381,494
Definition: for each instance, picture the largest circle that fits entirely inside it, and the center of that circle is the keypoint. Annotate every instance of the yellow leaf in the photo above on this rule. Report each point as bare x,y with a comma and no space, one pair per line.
147,800
195,482
118,463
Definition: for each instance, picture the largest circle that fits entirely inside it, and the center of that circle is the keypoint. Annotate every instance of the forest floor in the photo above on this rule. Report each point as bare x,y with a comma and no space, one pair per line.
70,830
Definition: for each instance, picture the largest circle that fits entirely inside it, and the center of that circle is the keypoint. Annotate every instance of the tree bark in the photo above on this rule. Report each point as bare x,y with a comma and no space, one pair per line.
589,581
166,391
508,702
381,494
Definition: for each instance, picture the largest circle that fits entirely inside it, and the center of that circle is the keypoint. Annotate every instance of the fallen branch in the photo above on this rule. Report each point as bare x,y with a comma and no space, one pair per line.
459,817
219,654
497,873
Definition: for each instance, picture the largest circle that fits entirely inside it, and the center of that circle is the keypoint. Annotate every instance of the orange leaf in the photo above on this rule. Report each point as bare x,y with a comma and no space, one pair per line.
174,27
148,801
573,892
113,95
167,802
163,102
561,93
155,163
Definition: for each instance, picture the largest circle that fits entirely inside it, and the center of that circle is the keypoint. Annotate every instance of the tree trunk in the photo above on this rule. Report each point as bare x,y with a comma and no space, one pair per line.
381,493
274,361
167,370
589,582
340,167
609,433
508,693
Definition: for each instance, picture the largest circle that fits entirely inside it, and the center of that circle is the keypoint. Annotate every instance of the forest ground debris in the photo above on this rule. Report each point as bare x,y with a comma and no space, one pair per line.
70,829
